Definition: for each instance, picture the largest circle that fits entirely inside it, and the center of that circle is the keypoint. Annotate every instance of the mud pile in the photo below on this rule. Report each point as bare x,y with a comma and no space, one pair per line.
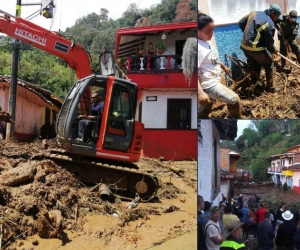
38,197
260,104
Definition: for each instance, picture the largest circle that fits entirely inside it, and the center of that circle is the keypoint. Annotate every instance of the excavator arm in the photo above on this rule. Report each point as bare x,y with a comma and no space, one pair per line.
74,54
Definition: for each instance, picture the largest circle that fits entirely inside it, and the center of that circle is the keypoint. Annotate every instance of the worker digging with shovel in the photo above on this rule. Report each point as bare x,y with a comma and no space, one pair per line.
258,42
287,33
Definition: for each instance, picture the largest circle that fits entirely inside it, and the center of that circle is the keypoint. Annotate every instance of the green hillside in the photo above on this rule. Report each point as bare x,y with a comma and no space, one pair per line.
96,32
263,139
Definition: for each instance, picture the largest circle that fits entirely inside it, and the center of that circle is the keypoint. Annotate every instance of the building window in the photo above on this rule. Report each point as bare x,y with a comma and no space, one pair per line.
179,113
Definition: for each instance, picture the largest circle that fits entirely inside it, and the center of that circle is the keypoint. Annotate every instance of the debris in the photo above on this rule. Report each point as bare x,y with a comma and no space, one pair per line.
169,209
42,198
35,242
257,103
105,193
133,203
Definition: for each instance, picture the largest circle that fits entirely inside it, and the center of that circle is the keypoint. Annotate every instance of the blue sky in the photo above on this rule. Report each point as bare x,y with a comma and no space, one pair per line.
68,11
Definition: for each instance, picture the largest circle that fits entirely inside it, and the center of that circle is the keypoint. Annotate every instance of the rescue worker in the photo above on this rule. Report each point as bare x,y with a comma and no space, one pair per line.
258,41
288,30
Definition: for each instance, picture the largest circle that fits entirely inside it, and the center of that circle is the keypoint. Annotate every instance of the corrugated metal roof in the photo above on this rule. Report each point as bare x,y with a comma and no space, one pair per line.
32,93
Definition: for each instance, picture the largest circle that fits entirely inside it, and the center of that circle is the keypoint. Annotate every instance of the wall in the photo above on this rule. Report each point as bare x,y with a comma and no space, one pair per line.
154,113
224,187
232,167
170,144
226,14
224,158
206,162
170,42
28,123
4,93
296,180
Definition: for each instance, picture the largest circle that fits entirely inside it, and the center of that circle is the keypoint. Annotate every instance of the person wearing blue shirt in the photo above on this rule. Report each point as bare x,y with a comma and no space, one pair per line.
96,112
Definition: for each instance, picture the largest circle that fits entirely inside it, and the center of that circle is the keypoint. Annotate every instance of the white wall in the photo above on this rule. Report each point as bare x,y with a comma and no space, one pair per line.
154,113
293,5
231,11
206,160
224,187
28,115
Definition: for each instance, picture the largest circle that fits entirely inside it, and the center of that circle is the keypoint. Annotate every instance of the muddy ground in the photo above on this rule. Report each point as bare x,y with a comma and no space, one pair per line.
256,102
43,206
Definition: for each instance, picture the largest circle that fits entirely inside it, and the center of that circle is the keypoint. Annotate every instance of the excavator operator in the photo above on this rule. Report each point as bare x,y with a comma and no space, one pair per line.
84,126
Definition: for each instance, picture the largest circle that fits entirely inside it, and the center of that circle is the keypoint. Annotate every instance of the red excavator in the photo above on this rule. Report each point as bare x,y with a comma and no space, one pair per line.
113,142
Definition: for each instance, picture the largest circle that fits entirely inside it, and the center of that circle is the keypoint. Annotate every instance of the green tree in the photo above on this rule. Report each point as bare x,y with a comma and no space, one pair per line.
103,15
130,16
294,138
259,167
165,12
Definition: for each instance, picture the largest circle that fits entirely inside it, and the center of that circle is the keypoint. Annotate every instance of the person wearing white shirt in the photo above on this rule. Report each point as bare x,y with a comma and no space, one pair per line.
209,73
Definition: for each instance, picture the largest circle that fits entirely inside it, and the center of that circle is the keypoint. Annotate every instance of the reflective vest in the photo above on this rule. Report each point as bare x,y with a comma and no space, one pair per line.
259,31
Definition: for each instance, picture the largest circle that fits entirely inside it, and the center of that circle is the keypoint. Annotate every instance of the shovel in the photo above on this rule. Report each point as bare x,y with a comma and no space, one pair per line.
290,61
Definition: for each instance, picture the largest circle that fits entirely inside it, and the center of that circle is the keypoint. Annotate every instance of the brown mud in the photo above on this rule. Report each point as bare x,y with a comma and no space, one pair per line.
43,206
257,102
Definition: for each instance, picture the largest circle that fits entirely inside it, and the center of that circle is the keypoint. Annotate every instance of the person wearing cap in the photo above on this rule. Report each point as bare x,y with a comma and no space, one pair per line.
265,233
285,232
214,237
258,42
233,233
288,31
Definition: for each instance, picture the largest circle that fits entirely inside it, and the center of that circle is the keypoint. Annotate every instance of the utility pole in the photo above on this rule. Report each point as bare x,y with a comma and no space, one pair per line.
47,8
10,129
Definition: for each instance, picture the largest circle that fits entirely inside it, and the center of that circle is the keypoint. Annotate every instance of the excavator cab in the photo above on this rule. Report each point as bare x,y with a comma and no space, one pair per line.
114,133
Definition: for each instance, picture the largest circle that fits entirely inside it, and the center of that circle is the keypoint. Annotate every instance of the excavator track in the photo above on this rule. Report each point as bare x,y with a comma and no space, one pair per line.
124,179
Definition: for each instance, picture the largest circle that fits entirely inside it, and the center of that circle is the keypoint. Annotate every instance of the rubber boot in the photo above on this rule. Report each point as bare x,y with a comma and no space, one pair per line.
234,110
269,83
298,58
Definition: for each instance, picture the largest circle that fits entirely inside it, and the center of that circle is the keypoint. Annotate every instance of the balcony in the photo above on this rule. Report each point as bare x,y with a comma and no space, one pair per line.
278,169
271,170
154,63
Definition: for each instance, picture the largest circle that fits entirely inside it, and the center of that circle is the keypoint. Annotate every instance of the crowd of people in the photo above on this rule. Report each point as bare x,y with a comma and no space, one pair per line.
228,225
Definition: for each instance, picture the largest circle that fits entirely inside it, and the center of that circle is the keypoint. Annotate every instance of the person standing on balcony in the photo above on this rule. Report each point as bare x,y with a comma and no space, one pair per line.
209,73
151,51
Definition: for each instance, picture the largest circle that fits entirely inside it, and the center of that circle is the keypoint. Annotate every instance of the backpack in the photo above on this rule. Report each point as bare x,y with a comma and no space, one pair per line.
251,219
201,240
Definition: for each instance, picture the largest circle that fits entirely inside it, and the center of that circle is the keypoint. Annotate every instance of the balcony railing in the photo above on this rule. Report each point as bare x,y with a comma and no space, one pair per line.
158,63
275,169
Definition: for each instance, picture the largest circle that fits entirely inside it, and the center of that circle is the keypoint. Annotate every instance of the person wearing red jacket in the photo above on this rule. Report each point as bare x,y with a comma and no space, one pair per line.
260,213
